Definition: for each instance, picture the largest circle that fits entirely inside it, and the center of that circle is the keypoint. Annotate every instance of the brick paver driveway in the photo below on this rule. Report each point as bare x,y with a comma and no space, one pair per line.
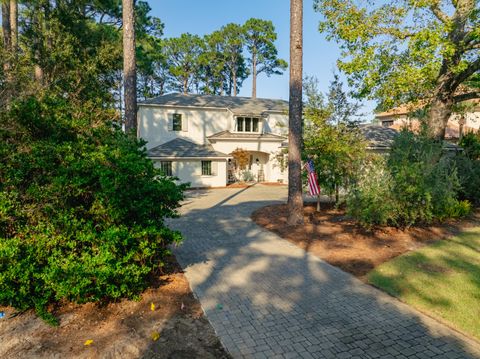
267,298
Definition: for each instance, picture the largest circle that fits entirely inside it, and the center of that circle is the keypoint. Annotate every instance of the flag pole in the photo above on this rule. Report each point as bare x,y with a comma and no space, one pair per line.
318,202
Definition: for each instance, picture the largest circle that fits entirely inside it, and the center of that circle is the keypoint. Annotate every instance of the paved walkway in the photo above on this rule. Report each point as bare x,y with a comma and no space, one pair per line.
267,298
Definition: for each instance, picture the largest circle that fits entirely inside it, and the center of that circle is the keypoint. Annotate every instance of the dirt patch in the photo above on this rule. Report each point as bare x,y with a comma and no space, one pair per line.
118,330
332,236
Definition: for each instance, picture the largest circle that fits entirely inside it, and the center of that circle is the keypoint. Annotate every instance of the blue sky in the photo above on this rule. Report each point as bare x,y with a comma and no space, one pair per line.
204,16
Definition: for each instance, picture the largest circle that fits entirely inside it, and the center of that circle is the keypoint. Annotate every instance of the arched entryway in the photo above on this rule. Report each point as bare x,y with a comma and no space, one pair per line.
251,166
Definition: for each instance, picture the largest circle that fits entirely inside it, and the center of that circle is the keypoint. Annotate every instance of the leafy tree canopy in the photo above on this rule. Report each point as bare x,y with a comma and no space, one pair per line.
260,39
402,51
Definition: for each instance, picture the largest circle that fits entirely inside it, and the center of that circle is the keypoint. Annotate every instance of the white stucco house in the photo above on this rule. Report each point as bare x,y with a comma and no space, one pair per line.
192,137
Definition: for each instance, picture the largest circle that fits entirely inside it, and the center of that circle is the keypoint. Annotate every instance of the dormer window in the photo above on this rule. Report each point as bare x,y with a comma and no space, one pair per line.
247,124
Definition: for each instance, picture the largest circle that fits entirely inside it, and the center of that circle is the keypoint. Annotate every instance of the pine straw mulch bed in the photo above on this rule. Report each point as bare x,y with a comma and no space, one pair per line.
339,240
176,328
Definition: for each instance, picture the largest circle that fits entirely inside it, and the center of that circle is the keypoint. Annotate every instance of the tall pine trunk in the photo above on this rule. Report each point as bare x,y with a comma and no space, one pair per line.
185,86
295,199
254,75
129,66
14,25
37,44
7,32
234,83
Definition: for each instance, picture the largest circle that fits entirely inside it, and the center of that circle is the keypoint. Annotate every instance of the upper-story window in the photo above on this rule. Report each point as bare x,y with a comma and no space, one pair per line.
247,124
387,123
177,122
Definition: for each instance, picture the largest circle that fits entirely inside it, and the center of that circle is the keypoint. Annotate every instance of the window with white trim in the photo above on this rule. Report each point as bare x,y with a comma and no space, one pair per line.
206,168
177,122
248,124
166,168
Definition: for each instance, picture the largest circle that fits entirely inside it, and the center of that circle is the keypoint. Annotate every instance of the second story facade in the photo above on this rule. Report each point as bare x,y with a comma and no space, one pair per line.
220,124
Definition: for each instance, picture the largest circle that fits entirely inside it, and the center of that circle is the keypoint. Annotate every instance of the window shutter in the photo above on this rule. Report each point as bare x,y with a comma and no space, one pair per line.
214,168
170,122
184,123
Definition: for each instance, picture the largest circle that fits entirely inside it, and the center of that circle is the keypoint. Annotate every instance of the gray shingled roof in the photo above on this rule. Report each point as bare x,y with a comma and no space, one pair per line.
183,148
380,137
252,136
238,105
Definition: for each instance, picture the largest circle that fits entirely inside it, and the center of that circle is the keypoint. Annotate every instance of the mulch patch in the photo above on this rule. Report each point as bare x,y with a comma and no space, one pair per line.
339,240
238,185
176,328
273,184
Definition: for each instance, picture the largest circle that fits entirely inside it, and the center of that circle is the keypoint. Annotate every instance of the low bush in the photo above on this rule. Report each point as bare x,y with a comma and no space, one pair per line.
82,209
247,176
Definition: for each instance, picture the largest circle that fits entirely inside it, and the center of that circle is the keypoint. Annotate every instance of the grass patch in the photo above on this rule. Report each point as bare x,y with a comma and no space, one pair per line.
442,280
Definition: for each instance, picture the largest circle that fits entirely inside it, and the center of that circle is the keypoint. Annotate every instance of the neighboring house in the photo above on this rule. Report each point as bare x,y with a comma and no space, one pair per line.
192,136
380,139
400,117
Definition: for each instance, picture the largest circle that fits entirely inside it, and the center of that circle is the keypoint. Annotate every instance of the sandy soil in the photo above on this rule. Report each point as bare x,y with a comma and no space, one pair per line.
332,236
176,328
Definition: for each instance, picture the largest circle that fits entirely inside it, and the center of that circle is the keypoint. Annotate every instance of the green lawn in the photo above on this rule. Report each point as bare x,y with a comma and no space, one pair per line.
442,280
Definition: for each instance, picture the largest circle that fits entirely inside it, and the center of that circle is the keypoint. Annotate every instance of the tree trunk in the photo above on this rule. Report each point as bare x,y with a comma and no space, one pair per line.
7,43
7,33
14,25
461,127
440,112
185,87
254,75
234,84
37,43
129,66
295,198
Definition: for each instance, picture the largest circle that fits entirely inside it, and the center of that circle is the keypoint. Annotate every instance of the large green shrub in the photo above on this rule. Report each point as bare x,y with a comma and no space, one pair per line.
420,185
425,177
371,199
82,208
468,164
470,143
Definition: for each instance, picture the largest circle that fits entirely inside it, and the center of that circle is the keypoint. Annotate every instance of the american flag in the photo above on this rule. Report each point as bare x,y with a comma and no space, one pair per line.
313,187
